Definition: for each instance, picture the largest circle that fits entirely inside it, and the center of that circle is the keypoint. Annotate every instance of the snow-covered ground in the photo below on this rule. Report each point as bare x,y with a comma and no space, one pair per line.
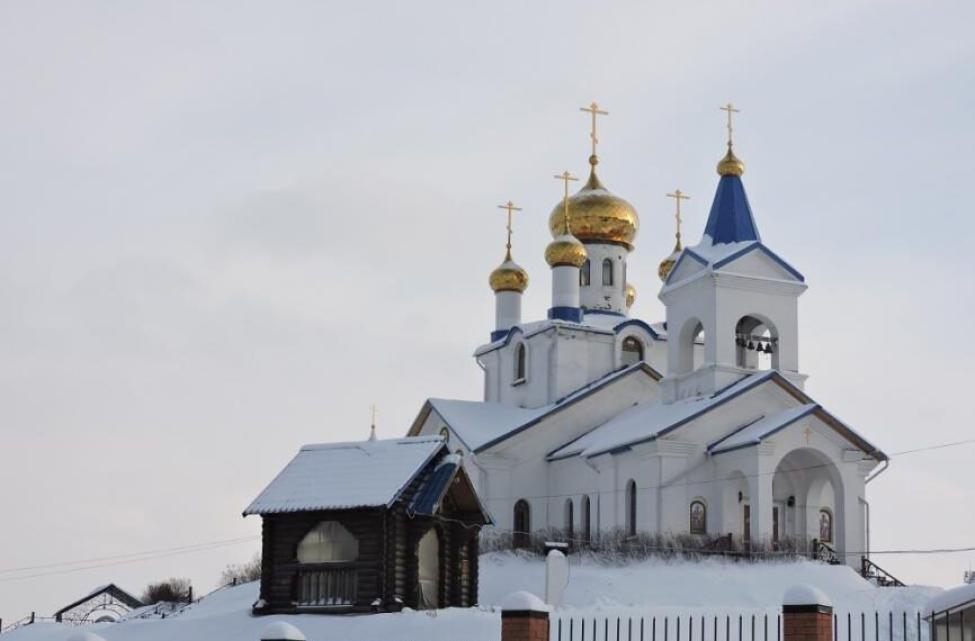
641,589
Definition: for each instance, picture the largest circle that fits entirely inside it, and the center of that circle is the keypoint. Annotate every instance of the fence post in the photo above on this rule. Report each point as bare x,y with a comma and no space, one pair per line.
524,617
281,631
807,615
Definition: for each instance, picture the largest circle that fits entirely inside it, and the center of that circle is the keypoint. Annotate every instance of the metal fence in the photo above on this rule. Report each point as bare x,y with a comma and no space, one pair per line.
742,626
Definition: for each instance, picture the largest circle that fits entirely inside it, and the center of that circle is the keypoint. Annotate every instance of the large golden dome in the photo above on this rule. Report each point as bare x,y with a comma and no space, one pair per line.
509,277
595,215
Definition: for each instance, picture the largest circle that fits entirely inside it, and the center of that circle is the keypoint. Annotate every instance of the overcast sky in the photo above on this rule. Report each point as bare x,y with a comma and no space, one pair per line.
228,228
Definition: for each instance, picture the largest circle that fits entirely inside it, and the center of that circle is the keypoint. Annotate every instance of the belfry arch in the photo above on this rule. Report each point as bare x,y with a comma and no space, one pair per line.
756,343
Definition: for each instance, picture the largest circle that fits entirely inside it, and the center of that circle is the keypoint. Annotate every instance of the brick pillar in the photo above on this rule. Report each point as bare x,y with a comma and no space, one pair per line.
524,617
807,615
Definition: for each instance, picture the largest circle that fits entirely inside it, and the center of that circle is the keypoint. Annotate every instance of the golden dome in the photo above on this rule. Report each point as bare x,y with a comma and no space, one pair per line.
566,250
509,277
595,215
630,295
731,165
668,263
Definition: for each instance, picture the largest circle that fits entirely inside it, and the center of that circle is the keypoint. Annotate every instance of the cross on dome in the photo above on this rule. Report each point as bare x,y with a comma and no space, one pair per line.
595,111
510,206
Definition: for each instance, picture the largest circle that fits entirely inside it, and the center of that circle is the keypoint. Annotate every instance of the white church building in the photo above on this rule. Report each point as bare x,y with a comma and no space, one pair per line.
594,422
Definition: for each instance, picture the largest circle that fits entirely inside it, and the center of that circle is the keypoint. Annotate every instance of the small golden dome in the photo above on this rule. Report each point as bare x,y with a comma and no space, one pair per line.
731,165
630,295
668,263
566,250
595,215
509,277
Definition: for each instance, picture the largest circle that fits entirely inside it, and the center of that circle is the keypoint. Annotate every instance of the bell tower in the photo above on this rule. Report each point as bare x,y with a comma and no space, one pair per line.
732,303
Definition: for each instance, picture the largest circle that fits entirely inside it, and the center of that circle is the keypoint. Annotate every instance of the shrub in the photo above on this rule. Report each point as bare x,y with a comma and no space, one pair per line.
242,572
172,590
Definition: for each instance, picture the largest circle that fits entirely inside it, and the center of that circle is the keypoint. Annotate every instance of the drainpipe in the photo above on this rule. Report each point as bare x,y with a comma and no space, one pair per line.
866,504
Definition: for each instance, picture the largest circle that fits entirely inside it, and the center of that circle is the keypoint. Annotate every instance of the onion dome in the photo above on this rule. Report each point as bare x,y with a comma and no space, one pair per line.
596,215
566,250
730,165
667,264
509,277
630,295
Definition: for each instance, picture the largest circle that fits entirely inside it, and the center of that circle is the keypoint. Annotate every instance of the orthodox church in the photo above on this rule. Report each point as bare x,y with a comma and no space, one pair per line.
594,422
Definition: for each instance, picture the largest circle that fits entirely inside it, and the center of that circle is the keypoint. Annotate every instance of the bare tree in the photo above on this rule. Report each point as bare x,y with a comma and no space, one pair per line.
172,590
242,572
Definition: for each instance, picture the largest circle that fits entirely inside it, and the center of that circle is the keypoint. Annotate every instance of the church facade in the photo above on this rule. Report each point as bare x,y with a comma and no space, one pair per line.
596,423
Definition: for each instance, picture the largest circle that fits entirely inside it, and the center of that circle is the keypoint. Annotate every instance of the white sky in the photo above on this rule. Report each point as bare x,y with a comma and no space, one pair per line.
228,228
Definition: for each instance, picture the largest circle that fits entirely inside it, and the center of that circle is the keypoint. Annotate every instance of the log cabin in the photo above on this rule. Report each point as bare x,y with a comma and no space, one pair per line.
370,526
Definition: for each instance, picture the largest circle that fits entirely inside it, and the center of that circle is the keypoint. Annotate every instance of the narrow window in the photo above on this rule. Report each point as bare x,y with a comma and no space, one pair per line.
521,525
632,351
569,521
584,274
631,508
586,527
699,517
520,362
607,271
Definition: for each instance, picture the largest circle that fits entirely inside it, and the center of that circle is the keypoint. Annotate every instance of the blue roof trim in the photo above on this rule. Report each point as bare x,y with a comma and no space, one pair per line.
687,253
757,380
768,252
413,476
733,432
638,323
574,397
572,314
607,312
731,220
428,498
772,432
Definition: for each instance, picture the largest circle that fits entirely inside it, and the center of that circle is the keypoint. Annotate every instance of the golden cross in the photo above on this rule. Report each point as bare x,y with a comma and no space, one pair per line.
595,111
678,196
510,206
730,108
372,426
565,177
808,432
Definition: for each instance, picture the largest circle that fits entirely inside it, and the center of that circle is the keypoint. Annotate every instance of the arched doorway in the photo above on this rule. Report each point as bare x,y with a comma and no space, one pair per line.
806,485
521,525
428,562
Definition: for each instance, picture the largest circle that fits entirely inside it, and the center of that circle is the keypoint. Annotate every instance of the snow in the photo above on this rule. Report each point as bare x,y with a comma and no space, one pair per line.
477,423
754,433
85,636
595,589
524,600
951,599
712,253
647,421
803,594
282,631
346,475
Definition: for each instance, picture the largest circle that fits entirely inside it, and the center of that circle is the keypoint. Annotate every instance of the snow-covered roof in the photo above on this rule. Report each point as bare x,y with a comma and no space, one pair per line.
755,432
481,424
647,421
959,598
334,476
592,321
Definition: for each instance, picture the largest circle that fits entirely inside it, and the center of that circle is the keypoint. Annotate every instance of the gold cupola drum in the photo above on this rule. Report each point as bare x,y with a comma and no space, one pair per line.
508,281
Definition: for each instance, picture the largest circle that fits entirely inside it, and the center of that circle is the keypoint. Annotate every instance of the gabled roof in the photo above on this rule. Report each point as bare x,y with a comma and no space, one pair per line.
648,422
731,220
757,431
448,477
112,590
482,424
598,321
335,476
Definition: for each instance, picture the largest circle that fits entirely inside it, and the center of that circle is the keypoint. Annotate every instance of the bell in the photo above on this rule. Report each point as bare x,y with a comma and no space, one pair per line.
768,348
751,345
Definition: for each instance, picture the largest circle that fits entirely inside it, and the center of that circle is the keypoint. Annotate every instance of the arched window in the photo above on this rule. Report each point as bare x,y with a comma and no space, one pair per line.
569,520
445,434
699,517
631,507
584,277
607,271
521,525
825,526
328,542
520,362
756,344
632,351
585,522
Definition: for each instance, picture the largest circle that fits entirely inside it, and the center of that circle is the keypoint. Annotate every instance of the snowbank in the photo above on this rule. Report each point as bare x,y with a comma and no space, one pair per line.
646,588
